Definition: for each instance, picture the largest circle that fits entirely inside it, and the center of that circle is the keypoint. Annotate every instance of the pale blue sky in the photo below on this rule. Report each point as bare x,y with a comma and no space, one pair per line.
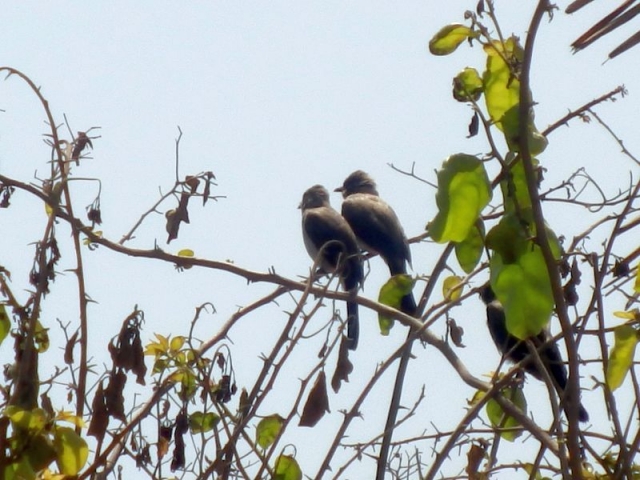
272,97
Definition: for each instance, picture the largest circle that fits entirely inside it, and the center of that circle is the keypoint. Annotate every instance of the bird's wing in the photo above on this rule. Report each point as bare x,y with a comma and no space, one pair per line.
324,225
377,227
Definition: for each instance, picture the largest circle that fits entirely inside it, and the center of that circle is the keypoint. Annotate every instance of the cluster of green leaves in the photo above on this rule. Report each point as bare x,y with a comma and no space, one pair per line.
172,358
177,363
38,439
518,271
267,431
183,367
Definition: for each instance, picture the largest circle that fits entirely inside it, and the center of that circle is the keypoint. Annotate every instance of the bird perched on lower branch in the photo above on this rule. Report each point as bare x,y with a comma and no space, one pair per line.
518,351
328,234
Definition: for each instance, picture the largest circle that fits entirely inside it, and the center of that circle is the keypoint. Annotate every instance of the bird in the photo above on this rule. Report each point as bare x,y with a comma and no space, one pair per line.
325,231
518,351
377,227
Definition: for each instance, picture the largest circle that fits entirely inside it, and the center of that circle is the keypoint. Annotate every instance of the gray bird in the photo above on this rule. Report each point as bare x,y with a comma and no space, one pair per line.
518,351
377,227
325,230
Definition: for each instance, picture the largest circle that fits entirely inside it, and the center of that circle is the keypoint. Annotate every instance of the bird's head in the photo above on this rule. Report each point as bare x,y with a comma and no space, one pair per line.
316,196
358,182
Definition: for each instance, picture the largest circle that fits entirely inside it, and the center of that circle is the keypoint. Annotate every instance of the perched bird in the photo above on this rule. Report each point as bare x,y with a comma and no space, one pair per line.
518,350
377,227
325,230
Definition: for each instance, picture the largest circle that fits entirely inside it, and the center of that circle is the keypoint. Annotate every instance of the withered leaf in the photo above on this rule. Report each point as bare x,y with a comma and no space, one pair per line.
178,460
182,210
114,399
94,215
317,403
182,426
138,367
166,405
220,361
207,187
68,349
165,432
163,447
100,416
244,404
475,455
182,423
5,195
474,125
192,182
127,352
343,368
176,216
80,144
223,392
45,403
173,224
621,269
144,457
576,274
570,293
456,333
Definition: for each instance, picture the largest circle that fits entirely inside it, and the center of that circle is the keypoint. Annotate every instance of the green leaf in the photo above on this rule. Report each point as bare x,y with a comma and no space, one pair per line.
19,470
501,88
530,468
201,422
463,191
502,94
467,85
41,338
176,343
629,315
469,251
519,276
525,292
189,384
5,323
449,38
72,450
186,252
32,421
391,294
500,419
287,469
636,285
509,239
268,430
621,357
515,190
451,288
160,365
40,452
537,142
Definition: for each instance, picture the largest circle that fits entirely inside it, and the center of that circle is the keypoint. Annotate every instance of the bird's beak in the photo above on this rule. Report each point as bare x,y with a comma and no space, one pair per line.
339,189
300,206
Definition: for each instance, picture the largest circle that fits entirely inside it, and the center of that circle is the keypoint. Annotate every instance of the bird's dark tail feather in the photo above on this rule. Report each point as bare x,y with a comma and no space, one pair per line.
408,305
353,325
583,416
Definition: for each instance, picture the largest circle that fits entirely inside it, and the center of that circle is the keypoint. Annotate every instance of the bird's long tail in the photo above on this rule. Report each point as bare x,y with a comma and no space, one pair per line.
408,305
353,325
